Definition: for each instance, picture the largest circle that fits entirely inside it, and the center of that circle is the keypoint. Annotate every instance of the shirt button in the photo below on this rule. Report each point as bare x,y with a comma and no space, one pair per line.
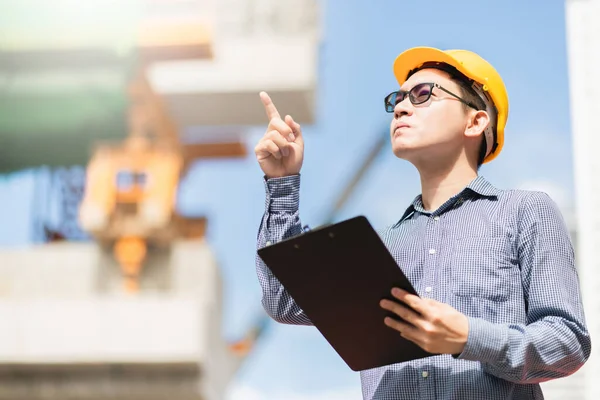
431,251
268,243
425,374
436,218
428,289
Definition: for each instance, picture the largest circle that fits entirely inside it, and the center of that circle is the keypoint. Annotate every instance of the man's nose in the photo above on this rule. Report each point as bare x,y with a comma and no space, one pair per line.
404,107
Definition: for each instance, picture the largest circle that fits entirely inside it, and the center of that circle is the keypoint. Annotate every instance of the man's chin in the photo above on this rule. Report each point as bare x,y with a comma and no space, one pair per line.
403,152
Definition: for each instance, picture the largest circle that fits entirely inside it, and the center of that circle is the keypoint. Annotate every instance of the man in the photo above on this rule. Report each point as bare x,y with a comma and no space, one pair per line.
499,297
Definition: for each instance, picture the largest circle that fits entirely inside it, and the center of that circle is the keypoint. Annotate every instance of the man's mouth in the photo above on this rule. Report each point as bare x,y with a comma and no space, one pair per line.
400,126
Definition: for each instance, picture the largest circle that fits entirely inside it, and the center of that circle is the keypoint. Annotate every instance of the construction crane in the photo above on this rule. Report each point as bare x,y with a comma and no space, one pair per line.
131,187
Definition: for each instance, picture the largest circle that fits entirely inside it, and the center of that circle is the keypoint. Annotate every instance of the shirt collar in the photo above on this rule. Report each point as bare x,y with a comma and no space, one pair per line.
479,185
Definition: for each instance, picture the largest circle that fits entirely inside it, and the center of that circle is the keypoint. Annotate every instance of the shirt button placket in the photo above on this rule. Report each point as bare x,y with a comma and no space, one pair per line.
430,264
426,383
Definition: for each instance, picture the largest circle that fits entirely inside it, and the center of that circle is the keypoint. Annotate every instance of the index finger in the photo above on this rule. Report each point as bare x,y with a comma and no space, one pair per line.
269,106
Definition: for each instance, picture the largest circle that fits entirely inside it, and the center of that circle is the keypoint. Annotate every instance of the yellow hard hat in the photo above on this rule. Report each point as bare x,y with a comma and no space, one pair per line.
473,67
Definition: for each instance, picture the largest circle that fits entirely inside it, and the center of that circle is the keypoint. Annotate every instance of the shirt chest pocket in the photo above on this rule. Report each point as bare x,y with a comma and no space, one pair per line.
483,267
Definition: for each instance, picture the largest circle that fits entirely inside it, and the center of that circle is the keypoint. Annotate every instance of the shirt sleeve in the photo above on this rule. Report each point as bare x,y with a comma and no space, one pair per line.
555,341
280,221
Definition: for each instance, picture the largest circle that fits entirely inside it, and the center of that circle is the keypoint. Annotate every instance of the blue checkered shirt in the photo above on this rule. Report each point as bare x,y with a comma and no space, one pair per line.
504,258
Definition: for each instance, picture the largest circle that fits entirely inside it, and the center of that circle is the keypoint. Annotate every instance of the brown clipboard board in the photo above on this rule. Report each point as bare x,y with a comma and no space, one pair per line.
338,274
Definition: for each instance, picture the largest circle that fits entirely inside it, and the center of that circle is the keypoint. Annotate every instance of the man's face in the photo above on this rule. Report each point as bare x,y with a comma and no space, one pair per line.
434,129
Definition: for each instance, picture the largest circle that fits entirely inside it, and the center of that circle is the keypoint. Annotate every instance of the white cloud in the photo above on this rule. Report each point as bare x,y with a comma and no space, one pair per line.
245,392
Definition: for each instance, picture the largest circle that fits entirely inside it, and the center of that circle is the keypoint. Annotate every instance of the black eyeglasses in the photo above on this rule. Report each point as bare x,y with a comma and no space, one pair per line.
419,94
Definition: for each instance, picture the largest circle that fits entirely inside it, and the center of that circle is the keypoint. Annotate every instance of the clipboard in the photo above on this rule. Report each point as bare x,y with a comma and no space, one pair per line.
338,274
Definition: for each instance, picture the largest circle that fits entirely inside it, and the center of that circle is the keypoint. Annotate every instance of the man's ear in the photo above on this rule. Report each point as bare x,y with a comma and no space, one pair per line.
478,121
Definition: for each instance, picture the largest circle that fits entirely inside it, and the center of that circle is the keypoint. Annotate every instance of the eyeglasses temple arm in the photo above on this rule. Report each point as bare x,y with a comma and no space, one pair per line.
461,100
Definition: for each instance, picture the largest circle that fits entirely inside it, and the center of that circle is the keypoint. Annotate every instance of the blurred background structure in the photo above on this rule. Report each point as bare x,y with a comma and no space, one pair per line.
130,198
121,298
583,44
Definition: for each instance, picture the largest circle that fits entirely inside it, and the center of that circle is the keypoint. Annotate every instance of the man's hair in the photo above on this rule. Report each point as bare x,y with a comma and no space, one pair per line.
467,94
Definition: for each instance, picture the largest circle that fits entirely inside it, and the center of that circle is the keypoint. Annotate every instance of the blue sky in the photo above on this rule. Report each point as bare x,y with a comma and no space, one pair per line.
525,41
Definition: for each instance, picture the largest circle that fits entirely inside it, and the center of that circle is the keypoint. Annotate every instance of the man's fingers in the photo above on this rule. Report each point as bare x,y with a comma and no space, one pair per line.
407,330
266,149
410,300
403,312
280,141
269,106
293,124
288,127
284,129
272,144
